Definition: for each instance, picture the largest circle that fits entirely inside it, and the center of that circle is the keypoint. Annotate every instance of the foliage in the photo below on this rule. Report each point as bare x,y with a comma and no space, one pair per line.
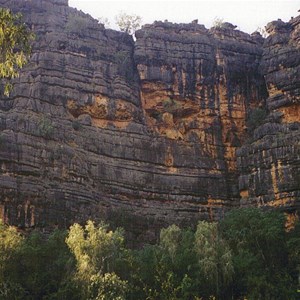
95,249
214,256
10,242
128,23
14,46
45,127
104,21
248,255
168,270
50,255
259,244
169,239
108,287
122,58
34,267
218,22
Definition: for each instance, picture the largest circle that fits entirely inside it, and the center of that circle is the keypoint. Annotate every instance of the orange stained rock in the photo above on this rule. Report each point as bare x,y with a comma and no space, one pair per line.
104,123
244,193
282,199
215,202
98,109
173,134
291,113
169,160
291,220
124,111
168,119
273,90
276,174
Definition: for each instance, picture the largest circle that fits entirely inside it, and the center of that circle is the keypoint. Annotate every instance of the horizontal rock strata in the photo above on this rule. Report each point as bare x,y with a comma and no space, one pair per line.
150,132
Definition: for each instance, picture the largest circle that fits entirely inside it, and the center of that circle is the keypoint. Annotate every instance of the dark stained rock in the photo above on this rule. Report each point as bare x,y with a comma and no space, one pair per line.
270,166
148,133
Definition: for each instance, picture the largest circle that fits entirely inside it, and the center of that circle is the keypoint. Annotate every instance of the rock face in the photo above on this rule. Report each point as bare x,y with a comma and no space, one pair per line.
147,133
269,166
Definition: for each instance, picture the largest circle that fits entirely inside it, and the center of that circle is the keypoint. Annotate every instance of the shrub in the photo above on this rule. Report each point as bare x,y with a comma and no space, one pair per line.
218,22
45,127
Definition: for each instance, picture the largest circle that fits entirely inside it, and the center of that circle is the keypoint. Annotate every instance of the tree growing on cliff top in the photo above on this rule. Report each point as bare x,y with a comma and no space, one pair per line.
14,46
128,23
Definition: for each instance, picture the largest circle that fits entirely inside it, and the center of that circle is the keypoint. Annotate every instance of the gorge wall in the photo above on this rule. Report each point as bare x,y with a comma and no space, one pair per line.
180,125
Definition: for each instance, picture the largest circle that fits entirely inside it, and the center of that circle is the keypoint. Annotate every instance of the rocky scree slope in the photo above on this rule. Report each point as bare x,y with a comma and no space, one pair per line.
180,125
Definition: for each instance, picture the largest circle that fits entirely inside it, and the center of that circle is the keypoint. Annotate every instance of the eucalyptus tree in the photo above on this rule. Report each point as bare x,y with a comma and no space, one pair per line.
214,256
15,46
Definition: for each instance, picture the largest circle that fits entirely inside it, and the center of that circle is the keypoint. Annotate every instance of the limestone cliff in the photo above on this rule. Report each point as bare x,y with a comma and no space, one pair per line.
151,132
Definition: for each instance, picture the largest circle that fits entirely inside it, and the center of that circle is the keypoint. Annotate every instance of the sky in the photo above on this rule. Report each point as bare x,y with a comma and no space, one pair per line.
248,15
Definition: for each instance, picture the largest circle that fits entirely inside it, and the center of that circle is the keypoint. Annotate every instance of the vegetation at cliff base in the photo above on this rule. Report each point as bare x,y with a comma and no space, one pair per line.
14,46
249,255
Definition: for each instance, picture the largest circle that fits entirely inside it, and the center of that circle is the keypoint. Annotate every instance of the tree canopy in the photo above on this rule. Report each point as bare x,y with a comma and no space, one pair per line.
248,255
14,46
128,23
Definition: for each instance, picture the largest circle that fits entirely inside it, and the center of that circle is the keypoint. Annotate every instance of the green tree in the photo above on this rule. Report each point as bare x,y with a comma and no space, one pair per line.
96,250
261,258
14,46
170,240
10,243
167,270
128,23
293,245
108,287
214,257
46,261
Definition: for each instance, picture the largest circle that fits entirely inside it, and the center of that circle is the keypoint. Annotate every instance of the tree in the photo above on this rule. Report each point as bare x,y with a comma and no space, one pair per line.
218,22
10,242
104,21
14,46
96,249
108,287
214,256
46,260
128,23
168,270
261,254
170,240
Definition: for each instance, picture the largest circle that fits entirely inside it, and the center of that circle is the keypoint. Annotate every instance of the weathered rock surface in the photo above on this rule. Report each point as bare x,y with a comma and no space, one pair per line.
145,133
270,166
